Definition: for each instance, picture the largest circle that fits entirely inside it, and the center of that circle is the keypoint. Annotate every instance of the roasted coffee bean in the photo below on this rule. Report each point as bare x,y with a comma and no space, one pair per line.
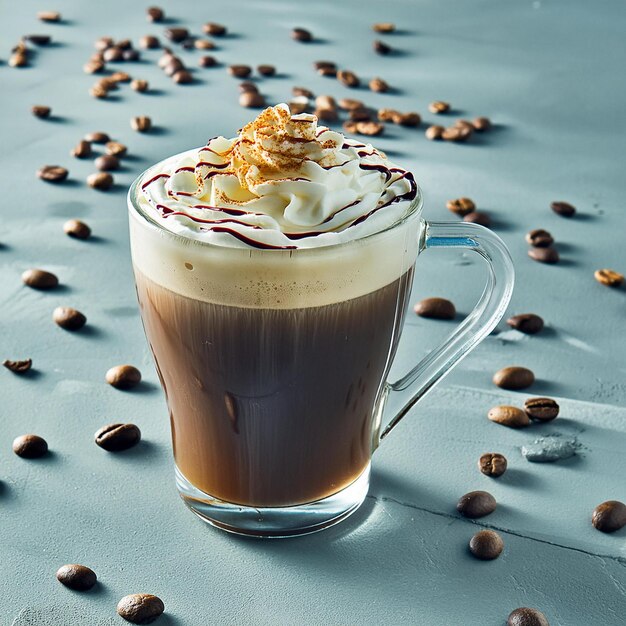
76,577
349,104
408,119
113,55
514,377
176,34
102,181
327,71
509,416
486,545
384,27
539,238
492,464
182,77
115,148
102,43
456,133
465,124
252,100
379,85
481,124
18,367
325,102
349,126
544,255
123,376
107,163
40,111
302,91
439,107
30,446
18,59
140,608
124,44
247,85
131,55
348,78
434,132
298,105
174,65
99,90
49,16
527,323
217,30
207,61
141,123
564,209
369,128
165,58
609,516
302,35
40,279
68,318
240,71
52,173
476,504
380,47
320,65
81,150
527,617
119,77
149,42
93,67
266,70
361,115
139,84
77,229
203,44
118,437
388,115
478,217
189,43
461,206
435,308
541,409
155,14
327,115
97,137
610,278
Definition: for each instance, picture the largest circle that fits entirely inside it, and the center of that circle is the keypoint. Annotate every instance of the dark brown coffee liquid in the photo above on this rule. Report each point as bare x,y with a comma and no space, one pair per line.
272,407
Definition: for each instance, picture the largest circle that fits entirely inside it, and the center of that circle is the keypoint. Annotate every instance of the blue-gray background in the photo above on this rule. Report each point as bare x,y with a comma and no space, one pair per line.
550,75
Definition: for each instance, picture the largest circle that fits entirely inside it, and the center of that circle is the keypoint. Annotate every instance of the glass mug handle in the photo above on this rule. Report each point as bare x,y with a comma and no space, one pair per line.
399,397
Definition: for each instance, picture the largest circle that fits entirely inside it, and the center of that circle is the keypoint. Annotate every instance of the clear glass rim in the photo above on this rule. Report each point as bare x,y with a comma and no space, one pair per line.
413,211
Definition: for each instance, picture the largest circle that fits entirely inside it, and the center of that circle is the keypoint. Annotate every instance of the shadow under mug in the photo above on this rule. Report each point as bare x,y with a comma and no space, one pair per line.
274,363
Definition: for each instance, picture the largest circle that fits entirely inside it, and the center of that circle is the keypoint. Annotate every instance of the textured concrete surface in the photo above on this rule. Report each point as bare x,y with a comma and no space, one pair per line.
547,73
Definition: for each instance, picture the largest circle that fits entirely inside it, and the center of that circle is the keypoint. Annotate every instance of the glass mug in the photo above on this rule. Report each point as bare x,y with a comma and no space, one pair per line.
274,362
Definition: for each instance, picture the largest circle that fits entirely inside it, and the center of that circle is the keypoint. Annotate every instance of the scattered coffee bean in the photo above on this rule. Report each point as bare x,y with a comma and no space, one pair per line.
541,409
478,217
486,545
327,115
118,437
19,59
434,132
609,516
328,72
349,126
40,111
207,61
527,617
384,27
361,115
131,55
77,229
174,65
435,308
139,84
514,377
99,90
369,128
564,209
456,133
141,123
348,104
266,70
252,100
610,278
107,163
149,42
539,238
182,77
325,102
123,376
217,30
30,446
76,577
40,279
247,85
302,35
52,173
481,124
492,464
380,47
509,416
320,65
302,91
103,43
439,107
97,137
476,504
102,181
155,14
203,44
379,85
527,323
114,148
176,34
140,608
461,206
544,255
113,55
81,150
240,71
93,67
18,367
348,78
68,318
408,119
298,105
49,16
464,124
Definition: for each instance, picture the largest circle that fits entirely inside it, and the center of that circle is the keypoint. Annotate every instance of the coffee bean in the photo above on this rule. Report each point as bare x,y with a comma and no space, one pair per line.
464,124
52,173
116,149
77,229
348,78
481,124
149,42
118,437
131,55
252,100
41,111
68,318
123,376
325,102
478,217
97,137
18,367
408,119
139,84
49,16
207,61
176,34
298,105
266,70
439,107
527,323
327,115
239,71
140,608
486,545
182,77
302,35
141,123
102,181
514,378
380,47
564,209
174,65
461,206
384,27
217,30
609,516
456,133
509,416
113,55
40,279
302,91
544,255
610,278
203,44
107,163
329,65
76,577
328,72
476,504
155,14
18,60
379,85
349,126
81,150
541,409
539,238
247,85
527,617
370,128
349,104
30,446
93,67
434,132
102,43
492,464
435,308
99,90
361,115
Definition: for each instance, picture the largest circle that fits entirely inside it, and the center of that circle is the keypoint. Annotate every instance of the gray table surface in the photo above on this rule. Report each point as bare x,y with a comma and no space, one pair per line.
550,75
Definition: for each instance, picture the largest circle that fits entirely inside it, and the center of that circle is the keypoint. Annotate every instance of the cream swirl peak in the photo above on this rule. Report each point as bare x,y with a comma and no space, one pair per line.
284,182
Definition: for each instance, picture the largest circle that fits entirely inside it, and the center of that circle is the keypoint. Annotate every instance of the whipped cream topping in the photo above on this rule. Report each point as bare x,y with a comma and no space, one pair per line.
284,182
